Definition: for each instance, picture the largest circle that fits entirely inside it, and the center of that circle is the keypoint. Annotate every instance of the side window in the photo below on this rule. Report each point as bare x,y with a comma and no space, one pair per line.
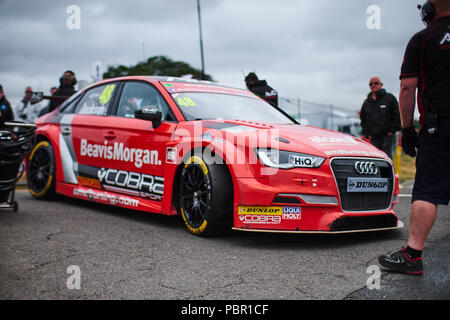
96,100
137,95
68,108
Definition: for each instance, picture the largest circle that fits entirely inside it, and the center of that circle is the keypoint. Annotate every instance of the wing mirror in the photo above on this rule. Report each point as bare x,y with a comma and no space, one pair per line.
149,113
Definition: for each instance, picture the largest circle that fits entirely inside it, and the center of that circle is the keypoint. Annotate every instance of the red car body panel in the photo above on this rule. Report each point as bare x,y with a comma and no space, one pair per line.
130,151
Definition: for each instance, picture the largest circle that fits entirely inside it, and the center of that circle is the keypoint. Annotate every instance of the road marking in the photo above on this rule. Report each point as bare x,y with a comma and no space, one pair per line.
405,195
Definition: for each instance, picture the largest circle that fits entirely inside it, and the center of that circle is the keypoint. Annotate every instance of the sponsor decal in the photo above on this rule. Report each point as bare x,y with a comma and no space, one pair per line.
118,152
329,140
367,185
89,182
260,215
353,152
268,215
305,162
275,211
260,219
171,155
106,197
292,213
138,184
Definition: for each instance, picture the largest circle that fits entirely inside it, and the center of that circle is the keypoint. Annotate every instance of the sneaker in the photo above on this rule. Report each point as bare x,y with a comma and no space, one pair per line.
400,262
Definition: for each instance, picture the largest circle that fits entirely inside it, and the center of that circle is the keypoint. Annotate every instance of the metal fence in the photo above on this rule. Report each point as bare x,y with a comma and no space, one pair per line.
331,117
321,115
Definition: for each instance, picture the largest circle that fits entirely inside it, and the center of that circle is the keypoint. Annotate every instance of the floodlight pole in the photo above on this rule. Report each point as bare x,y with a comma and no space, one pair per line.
201,38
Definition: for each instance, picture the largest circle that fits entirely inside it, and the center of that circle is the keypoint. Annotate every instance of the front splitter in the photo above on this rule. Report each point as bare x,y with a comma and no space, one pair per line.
400,225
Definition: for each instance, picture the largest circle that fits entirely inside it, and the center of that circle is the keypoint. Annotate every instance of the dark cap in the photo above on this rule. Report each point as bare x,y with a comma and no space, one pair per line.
1,88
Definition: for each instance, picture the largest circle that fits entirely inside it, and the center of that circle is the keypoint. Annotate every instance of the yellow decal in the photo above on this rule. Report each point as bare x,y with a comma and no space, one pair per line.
106,94
186,102
199,161
266,211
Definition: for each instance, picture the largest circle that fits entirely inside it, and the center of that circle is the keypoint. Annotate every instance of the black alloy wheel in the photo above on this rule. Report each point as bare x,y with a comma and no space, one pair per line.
41,171
206,197
195,195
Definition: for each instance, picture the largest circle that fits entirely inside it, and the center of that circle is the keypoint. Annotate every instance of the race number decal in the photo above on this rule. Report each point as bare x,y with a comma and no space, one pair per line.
106,94
186,102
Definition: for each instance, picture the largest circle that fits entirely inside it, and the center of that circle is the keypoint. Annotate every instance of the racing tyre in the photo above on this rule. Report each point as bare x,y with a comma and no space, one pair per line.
206,197
41,171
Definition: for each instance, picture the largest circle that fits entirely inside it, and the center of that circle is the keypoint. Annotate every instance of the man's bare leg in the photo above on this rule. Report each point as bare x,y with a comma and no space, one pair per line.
423,215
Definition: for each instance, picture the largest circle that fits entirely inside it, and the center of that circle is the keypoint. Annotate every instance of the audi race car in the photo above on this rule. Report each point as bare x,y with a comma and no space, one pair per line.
220,157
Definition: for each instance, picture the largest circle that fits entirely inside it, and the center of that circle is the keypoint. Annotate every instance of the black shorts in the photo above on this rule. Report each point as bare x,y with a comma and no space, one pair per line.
432,182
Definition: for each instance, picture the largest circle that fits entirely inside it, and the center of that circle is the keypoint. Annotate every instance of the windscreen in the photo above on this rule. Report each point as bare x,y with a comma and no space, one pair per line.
211,106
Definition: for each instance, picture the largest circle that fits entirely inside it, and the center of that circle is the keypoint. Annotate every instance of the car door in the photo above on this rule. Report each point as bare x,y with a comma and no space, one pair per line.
88,129
136,149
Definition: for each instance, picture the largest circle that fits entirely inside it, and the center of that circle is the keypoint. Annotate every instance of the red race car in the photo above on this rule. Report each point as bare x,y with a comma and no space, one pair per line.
220,157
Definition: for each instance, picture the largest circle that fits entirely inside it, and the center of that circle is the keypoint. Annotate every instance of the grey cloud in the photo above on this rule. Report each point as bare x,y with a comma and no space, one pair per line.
319,50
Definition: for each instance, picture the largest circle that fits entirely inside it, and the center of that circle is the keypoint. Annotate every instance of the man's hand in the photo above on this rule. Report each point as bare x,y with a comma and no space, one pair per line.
410,141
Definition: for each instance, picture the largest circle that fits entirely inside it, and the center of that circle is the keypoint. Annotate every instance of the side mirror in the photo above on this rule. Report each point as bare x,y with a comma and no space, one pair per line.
149,113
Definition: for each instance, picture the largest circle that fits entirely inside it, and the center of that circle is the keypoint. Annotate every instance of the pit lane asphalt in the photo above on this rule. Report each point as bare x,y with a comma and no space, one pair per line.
123,254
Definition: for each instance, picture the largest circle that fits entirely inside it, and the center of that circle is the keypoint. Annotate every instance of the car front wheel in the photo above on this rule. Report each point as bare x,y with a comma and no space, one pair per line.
41,171
206,197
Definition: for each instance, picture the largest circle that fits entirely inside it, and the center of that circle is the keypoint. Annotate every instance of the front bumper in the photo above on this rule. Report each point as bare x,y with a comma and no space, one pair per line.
315,201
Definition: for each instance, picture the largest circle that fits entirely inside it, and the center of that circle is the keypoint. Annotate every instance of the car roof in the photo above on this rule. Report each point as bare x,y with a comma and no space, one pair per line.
160,79
181,84
163,79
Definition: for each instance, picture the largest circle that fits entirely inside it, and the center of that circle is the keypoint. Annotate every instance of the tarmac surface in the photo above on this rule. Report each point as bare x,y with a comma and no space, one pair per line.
124,254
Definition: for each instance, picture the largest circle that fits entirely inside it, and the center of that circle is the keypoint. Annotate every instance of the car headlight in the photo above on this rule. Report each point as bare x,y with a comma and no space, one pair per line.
288,159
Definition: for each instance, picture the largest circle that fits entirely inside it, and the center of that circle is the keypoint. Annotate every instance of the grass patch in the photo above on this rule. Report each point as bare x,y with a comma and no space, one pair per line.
407,169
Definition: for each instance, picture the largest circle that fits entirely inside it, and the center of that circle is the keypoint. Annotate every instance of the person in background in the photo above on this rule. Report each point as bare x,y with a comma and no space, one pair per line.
45,109
261,89
6,113
66,89
380,118
25,111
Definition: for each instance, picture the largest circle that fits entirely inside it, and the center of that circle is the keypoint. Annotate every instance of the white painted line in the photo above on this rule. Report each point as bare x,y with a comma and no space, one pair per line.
405,195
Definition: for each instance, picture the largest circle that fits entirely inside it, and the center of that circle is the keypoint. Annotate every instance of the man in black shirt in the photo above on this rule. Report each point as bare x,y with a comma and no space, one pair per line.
426,67
261,89
380,119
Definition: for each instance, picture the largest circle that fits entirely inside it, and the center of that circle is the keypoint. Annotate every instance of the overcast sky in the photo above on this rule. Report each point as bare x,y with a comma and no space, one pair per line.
317,50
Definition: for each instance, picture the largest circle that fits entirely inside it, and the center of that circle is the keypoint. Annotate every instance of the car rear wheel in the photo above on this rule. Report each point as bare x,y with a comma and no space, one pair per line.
41,171
206,197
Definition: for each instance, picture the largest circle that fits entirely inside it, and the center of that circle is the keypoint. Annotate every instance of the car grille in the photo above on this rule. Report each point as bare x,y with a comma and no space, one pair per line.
362,201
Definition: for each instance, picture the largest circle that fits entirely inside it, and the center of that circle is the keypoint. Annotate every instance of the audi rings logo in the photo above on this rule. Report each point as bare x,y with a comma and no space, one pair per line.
363,167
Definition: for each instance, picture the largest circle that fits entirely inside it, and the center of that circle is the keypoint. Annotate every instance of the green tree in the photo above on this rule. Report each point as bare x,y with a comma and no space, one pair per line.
156,66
